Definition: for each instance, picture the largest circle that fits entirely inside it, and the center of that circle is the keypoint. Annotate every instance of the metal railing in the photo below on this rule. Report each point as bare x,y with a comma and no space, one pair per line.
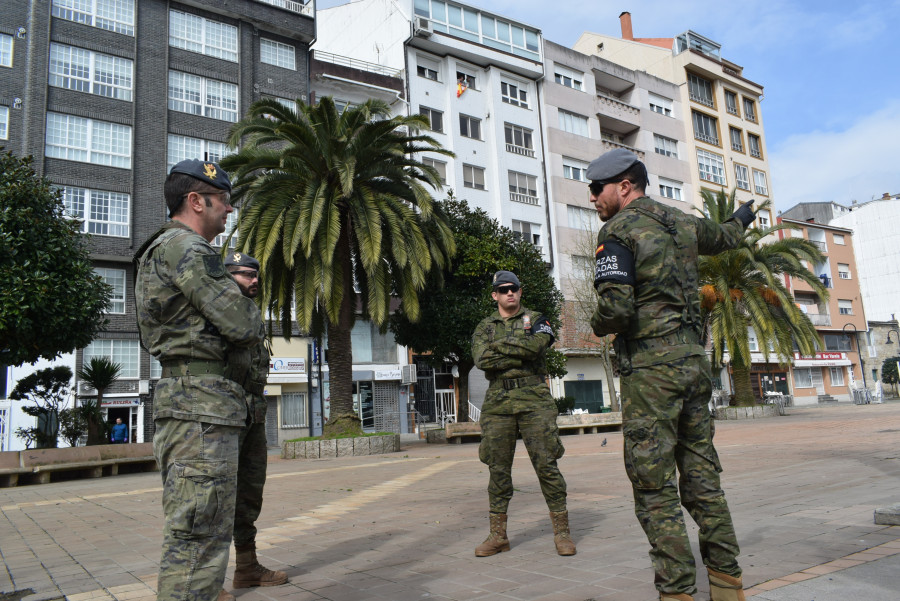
702,99
862,396
307,9
474,413
707,138
528,152
346,61
754,152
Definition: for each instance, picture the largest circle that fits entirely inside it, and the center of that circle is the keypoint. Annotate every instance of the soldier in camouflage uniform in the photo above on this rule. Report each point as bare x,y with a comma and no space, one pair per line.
646,278
251,476
510,346
193,318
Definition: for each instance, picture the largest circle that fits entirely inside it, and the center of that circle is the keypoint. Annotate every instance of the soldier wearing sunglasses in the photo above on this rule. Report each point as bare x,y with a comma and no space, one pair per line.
510,346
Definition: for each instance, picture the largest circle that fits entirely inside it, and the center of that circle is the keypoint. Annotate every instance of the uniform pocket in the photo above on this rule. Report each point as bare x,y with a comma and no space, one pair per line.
195,495
647,463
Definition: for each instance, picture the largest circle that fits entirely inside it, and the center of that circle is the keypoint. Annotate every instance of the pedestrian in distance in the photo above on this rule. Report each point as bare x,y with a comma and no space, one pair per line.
510,346
251,474
193,318
119,434
647,284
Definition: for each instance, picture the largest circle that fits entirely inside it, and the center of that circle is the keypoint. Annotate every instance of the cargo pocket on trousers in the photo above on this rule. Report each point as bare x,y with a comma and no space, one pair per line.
644,461
196,497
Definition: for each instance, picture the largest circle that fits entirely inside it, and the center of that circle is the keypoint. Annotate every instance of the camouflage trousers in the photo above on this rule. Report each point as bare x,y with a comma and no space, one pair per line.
498,446
251,478
666,424
198,463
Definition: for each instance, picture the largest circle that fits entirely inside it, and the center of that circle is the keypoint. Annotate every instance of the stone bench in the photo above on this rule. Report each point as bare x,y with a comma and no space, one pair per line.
38,465
585,423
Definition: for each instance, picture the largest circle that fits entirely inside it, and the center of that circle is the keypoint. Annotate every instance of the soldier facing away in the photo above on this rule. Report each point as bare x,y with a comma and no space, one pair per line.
193,318
510,346
251,474
647,283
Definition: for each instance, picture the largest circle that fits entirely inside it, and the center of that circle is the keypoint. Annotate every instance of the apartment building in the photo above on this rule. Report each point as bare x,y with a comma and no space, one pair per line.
725,142
107,95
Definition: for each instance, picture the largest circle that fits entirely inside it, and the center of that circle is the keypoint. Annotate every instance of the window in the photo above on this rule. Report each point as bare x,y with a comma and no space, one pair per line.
837,342
92,72
660,104
731,103
764,218
749,110
837,376
197,34
201,96
436,118
124,352
753,143
568,77
523,188
843,271
427,68
116,279
293,410
370,345
519,140
712,167
839,239
582,219
803,377
845,307
759,180
473,177
469,127
113,15
278,54
182,147
705,128
231,222
6,50
582,267
670,188
529,232
155,368
752,343
572,123
665,146
88,141
440,166
700,90
101,213
742,176
737,139
466,78
575,169
4,122
501,35
513,93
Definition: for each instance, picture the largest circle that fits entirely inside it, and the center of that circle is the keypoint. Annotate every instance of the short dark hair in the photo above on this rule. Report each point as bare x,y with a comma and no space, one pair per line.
179,185
637,175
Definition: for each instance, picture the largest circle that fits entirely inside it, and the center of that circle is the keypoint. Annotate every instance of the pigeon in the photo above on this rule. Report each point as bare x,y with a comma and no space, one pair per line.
603,444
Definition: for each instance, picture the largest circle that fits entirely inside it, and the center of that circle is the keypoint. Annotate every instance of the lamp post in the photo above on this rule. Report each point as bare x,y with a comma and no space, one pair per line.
897,332
862,365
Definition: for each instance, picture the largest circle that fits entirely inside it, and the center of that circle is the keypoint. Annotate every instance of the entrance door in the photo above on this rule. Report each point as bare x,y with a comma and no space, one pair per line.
817,381
446,406
387,407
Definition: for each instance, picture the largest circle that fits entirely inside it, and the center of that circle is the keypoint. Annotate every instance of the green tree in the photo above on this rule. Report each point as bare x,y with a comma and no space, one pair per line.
99,373
72,425
335,207
447,317
889,371
51,300
744,288
47,390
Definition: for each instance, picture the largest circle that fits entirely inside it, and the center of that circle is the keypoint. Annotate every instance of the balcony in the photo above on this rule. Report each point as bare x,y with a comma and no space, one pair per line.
705,101
610,145
524,198
307,9
525,152
820,245
714,140
820,320
346,61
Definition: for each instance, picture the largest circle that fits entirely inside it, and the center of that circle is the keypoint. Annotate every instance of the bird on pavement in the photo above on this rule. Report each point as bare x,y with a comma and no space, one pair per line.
603,444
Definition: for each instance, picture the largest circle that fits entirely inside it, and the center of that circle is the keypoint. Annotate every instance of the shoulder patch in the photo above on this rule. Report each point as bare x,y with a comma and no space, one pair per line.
214,266
613,262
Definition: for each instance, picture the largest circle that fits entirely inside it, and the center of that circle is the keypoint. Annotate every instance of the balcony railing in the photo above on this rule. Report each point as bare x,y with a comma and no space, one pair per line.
707,138
820,320
820,245
307,9
702,100
733,110
737,146
616,103
346,61
524,198
526,152
754,152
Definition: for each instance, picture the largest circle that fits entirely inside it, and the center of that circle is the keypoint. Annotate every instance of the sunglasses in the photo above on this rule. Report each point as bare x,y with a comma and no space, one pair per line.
250,273
507,289
596,188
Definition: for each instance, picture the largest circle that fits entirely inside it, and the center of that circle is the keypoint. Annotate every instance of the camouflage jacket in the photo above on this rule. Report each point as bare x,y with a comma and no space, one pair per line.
259,373
505,350
189,309
657,319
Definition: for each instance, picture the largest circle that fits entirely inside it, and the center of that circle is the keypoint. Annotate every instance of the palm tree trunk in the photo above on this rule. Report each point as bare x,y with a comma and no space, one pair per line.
608,369
743,389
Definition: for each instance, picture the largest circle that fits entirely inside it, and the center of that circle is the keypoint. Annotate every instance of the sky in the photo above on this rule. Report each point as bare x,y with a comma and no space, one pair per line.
830,71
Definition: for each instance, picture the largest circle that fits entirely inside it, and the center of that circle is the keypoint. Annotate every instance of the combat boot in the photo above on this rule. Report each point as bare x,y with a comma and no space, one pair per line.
675,597
225,596
723,587
248,572
496,541
561,536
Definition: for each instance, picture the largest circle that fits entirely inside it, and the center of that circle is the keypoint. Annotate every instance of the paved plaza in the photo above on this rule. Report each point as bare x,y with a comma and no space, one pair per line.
402,527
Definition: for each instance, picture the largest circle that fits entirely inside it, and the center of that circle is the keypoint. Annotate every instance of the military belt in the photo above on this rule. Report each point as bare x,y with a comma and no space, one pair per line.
176,369
512,383
679,337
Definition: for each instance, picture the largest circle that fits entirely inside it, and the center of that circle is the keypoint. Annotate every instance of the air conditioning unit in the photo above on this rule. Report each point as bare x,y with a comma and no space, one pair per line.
423,27
86,389
407,374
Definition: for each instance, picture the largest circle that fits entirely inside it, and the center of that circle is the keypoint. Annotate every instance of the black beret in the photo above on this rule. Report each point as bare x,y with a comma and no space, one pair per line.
611,164
505,277
210,173
238,259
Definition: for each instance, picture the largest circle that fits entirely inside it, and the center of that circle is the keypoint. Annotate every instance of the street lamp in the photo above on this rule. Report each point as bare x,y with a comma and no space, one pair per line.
897,332
862,365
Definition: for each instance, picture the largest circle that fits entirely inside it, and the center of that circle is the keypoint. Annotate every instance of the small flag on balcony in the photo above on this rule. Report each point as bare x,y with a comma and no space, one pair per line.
461,86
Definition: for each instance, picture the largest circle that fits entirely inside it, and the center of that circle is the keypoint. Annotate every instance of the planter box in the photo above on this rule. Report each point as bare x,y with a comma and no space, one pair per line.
755,412
584,423
341,447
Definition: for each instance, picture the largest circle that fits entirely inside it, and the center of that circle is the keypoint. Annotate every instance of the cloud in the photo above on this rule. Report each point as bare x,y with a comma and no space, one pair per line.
857,163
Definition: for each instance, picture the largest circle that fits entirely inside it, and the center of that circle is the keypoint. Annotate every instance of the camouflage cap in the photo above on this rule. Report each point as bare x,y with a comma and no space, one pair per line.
607,166
505,277
207,172
237,259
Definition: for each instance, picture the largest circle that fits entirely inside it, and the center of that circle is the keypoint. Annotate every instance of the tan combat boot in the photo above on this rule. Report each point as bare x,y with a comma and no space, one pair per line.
225,596
496,540
248,572
561,536
723,587
675,597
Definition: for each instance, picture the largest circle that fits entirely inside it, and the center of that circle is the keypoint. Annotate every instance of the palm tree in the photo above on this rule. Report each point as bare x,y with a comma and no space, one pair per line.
335,207
744,288
99,373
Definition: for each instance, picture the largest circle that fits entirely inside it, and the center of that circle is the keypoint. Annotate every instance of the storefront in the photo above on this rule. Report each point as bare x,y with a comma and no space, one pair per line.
130,410
823,376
